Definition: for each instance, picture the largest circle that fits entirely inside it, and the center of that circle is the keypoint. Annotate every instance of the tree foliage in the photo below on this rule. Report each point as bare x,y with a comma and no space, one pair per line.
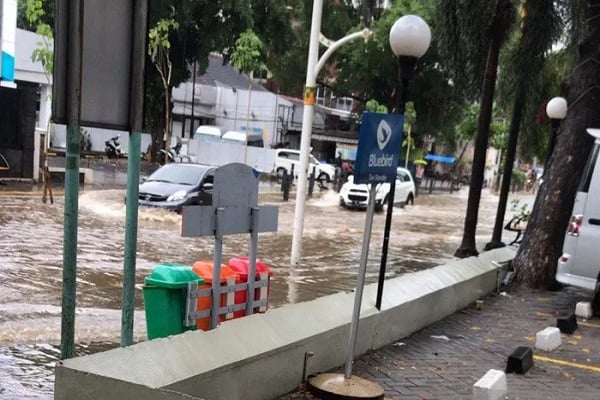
35,16
248,54
371,69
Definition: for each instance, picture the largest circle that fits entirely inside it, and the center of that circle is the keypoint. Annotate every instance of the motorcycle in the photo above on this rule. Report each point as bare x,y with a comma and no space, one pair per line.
173,154
112,147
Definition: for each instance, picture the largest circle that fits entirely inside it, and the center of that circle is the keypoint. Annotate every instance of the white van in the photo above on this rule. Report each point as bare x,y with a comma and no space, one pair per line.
254,139
579,264
208,133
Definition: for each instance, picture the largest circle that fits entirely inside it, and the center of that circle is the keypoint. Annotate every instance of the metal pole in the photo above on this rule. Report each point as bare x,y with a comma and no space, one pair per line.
136,119
193,100
248,118
217,259
131,226
252,260
405,68
312,70
74,10
307,121
364,254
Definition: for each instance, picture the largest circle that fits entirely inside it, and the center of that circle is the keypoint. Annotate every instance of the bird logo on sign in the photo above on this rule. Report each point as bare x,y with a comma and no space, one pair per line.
384,134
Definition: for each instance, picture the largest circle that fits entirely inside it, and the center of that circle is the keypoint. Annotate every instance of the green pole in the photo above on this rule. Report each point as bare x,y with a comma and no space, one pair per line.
131,225
67,340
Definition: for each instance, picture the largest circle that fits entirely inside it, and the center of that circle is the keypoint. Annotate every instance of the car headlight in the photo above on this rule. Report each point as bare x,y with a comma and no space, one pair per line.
178,195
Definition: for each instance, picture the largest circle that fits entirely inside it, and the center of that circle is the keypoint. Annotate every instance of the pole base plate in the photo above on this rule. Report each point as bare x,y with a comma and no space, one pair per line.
336,387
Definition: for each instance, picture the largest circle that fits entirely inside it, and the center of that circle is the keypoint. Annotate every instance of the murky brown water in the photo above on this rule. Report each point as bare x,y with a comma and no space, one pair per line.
31,235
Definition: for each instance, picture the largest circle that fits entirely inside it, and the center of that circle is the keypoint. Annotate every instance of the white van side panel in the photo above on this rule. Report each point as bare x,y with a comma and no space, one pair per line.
579,264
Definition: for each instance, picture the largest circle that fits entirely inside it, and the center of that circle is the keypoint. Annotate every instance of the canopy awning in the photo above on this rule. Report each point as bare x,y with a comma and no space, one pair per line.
442,159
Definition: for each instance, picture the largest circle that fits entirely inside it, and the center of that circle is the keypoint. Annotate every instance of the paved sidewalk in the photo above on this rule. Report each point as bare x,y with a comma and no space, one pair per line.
444,360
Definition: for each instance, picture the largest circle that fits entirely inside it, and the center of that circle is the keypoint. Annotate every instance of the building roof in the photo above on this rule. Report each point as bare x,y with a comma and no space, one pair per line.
220,74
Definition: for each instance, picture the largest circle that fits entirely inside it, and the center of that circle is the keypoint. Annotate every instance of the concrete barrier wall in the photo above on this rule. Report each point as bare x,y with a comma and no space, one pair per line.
261,356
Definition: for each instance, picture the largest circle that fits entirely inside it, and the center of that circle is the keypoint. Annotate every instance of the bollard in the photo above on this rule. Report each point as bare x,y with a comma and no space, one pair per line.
285,185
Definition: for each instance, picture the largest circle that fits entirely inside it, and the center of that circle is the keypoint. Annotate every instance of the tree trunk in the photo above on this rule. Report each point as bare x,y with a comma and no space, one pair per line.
511,150
467,247
537,256
167,129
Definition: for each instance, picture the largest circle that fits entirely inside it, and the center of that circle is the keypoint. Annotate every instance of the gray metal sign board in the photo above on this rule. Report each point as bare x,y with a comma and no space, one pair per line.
235,192
201,220
113,51
236,185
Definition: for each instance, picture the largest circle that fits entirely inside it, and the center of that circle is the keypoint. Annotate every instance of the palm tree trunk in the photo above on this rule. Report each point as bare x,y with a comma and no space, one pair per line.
537,256
511,150
467,247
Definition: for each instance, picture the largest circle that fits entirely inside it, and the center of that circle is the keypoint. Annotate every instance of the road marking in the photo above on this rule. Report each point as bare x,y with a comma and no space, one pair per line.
588,324
593,368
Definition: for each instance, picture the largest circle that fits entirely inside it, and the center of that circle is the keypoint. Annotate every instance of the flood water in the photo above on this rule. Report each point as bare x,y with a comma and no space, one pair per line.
31,241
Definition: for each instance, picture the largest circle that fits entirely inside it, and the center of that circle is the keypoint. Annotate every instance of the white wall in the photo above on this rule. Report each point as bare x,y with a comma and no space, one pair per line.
232,111
233,361
221,153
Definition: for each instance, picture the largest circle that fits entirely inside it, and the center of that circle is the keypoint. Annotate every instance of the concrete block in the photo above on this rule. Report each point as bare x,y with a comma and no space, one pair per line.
491,386
520,361
567,323
583,309
547,339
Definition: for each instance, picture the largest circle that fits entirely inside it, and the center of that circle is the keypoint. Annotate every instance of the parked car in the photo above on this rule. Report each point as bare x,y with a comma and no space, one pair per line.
175,185
579,265
285,158
357,195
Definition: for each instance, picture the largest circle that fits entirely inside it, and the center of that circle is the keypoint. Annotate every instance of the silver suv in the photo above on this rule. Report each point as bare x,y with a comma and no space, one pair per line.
285,158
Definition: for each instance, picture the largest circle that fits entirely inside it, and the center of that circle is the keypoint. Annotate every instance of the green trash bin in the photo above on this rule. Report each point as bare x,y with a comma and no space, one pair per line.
165,297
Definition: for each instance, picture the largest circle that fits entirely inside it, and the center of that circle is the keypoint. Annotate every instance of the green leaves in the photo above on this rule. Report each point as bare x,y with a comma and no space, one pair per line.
248,54
158,36
374,106
34,11
44,54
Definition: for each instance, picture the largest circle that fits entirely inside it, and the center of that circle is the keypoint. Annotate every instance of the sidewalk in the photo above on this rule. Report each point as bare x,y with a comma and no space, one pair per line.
444,360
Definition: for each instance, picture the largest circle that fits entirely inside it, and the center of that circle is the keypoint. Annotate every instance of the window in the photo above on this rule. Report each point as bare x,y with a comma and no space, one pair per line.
589,170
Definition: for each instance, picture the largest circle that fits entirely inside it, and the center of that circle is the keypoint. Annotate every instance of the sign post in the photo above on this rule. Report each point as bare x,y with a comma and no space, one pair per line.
376,162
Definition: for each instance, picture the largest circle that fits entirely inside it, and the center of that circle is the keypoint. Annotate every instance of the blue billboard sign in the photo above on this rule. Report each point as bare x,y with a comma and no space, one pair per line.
378,148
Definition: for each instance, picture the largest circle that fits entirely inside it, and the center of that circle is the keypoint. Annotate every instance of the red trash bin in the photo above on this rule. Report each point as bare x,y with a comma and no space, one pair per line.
241,265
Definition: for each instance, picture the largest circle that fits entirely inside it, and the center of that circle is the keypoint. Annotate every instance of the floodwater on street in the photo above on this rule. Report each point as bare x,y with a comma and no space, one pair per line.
31,242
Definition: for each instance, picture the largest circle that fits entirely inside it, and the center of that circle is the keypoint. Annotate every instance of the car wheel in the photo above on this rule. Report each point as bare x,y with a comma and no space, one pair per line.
342,203
410,199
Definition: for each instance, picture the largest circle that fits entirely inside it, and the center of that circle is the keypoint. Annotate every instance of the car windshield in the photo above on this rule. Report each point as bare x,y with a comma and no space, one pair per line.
177,173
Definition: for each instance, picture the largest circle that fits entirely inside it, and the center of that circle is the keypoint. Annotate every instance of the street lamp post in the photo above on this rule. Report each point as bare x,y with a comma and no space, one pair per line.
410,37
314,66
556,109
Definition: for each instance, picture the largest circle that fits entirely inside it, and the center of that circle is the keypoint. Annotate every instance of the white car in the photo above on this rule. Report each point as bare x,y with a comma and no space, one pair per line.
579,265
285,158
357,195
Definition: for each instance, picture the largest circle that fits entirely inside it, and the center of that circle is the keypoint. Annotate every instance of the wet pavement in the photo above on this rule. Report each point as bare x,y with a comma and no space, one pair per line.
31,233
444,360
